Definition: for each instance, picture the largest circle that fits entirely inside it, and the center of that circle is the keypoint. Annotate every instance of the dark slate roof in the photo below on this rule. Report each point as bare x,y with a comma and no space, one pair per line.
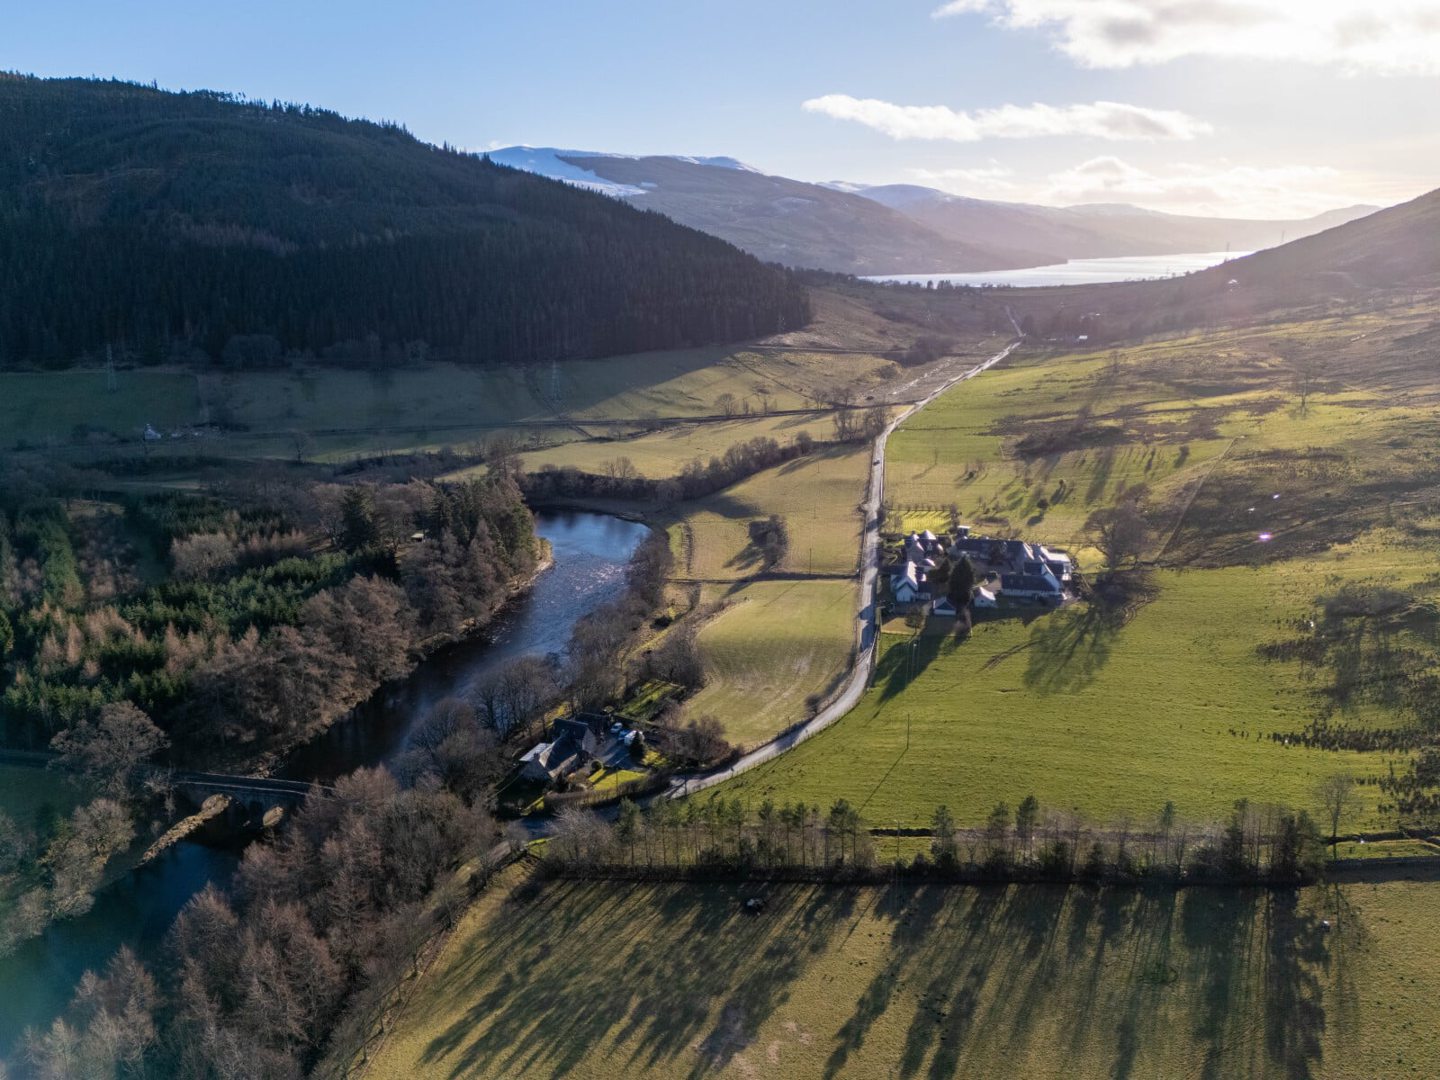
1018,549
1027,583
575,731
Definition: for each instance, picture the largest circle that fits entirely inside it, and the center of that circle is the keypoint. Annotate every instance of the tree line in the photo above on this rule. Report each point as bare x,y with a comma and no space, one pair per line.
618,478
698,838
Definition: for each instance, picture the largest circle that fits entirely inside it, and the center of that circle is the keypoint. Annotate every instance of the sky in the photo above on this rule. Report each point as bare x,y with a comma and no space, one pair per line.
1245,108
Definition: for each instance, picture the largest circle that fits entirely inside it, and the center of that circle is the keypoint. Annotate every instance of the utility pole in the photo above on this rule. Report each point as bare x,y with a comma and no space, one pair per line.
110,382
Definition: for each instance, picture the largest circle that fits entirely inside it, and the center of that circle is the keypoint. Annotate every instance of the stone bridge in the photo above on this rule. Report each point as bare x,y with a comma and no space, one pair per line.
252,798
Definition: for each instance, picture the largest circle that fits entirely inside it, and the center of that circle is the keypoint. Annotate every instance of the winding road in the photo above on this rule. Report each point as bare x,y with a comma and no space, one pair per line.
868,617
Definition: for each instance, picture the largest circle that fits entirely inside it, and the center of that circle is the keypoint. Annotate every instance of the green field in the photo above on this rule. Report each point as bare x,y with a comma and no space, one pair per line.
663,454
1113,716
1114,720
771,647
602,980
55,408
819,496
1220,408
342,411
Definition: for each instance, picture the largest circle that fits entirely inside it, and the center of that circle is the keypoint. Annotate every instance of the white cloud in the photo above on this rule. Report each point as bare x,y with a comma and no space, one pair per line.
991,178
1101,119
1391,37
1223,190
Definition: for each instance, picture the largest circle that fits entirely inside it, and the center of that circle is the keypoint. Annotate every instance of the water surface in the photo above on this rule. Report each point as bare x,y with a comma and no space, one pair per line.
1078,271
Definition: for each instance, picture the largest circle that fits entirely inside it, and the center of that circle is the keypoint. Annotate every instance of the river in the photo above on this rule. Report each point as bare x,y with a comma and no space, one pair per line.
591,552
1078,271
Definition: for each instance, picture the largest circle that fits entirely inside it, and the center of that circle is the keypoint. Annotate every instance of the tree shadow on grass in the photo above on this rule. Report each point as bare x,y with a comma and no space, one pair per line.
676,979
914,912
830,453
573,974
992,970
1260,964
1104,466
1068,650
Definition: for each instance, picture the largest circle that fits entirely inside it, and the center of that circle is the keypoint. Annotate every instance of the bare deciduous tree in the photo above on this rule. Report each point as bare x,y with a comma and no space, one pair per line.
1120,533
1337,795
110,749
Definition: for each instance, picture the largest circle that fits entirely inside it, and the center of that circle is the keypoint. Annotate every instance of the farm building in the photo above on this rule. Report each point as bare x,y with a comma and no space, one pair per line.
909,585
573,745
1042,588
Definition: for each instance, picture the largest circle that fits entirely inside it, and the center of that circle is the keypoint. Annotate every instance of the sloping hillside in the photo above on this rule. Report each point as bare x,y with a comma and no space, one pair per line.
774,218
1390,252
1396,246
162,223
1093,231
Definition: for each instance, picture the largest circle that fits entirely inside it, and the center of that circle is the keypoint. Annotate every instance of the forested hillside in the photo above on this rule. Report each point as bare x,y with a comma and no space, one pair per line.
197,225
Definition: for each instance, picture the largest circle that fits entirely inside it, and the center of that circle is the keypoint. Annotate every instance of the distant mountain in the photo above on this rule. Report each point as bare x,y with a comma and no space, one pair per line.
1093,231
894,228
778,220
163,223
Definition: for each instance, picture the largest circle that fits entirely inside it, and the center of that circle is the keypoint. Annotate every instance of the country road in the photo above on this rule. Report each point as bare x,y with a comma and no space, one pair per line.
868,618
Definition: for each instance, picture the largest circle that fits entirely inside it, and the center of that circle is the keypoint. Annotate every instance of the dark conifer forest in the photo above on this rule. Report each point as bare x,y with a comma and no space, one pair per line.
199,226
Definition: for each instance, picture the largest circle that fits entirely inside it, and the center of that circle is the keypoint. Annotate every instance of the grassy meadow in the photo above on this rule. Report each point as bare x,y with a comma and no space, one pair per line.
338,412
601,979
1035,446
661,454
769,648
819,496
1113,719
1178,696
54,408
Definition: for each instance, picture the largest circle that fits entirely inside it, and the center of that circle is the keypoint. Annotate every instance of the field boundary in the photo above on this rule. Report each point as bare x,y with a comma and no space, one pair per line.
1190,499
868,632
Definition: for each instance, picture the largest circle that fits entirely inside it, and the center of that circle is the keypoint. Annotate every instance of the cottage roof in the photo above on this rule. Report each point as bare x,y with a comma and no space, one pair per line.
1029,583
